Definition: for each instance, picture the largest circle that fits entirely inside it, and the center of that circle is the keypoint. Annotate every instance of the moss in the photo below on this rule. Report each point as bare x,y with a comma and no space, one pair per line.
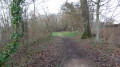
86,35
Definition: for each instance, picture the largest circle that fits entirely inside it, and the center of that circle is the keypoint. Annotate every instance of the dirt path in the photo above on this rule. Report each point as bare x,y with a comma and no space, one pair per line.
74,55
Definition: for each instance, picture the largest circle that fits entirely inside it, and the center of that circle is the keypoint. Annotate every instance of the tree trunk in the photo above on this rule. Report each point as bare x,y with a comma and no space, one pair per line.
85,17
97,20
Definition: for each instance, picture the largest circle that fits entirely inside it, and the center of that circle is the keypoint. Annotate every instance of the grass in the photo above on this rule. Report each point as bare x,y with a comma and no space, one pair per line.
68,34
55,33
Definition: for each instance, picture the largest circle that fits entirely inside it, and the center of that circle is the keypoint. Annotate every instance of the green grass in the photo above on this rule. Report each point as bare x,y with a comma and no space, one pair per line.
55,33
68,34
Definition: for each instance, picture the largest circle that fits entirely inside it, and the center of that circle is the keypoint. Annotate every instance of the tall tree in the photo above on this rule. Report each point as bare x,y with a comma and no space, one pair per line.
85,17
97,19
16,14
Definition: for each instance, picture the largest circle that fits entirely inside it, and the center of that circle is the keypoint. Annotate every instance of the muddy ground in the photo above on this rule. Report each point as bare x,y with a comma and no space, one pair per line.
62,52
75,56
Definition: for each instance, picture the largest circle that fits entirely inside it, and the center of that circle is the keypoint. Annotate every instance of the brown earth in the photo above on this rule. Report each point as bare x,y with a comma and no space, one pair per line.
75,56
62,52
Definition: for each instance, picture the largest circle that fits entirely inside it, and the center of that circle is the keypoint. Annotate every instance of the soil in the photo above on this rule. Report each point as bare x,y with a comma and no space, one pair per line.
74,55
64,52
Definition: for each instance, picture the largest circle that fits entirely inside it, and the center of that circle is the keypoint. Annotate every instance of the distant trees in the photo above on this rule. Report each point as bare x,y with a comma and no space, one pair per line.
76,17
71,17
68,10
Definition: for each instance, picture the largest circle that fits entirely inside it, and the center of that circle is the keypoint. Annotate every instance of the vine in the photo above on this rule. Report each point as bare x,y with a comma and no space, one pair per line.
16,14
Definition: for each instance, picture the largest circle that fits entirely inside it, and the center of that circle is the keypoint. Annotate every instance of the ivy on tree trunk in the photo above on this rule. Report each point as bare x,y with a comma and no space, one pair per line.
16,14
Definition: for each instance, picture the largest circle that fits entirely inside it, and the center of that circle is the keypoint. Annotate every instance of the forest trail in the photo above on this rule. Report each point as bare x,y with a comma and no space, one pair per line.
74,55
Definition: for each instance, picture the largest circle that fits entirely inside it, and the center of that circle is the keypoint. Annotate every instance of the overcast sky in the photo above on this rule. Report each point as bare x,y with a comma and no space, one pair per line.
112,10
51,6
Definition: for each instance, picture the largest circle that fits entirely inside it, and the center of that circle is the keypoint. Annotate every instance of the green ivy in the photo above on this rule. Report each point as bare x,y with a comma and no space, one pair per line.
16,14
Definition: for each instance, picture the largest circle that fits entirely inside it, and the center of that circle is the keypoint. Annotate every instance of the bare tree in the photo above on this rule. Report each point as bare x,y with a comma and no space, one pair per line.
97,19
98,6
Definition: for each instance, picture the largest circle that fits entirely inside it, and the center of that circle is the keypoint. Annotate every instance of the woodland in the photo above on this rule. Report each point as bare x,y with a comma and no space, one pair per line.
82,34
